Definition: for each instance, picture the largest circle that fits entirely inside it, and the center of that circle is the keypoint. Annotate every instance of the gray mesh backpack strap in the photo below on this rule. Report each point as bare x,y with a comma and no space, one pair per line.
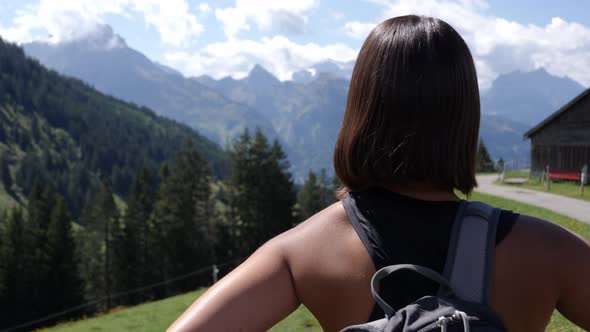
469,263
462,304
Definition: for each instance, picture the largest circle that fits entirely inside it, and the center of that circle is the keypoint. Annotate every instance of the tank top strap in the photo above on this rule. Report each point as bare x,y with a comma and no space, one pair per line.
366,232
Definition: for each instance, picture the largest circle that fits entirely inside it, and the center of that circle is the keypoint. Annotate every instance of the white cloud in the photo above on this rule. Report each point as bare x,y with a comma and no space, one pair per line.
278,54
290,16
65,20
336,15
176,24
204,7
499,45
358,30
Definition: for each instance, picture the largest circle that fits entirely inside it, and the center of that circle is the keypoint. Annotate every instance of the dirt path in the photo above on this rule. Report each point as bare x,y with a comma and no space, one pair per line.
571,207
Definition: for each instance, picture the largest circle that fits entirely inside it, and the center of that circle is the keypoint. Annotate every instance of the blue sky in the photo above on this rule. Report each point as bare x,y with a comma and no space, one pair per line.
227,37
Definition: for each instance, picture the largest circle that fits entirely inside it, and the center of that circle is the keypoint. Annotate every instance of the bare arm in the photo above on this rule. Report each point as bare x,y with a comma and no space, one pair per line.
253,297
574,275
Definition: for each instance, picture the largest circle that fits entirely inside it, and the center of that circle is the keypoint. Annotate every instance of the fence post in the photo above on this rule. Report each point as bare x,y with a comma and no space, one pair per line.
215,273
583,179
547,169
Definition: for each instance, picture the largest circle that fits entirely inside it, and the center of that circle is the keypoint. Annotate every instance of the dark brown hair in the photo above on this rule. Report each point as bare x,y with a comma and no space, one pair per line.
412,113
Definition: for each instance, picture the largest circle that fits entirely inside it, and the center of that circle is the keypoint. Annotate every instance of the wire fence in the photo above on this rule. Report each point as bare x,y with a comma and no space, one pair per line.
213,269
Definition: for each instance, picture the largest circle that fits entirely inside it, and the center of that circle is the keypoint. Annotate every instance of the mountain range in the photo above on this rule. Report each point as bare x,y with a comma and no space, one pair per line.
103,60
304,114
528,97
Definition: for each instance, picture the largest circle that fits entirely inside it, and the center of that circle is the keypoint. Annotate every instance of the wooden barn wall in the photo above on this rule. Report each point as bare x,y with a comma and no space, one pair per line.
563,157
571,128
565,142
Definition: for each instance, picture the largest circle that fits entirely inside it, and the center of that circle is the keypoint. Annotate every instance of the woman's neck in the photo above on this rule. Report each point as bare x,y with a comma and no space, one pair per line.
423,191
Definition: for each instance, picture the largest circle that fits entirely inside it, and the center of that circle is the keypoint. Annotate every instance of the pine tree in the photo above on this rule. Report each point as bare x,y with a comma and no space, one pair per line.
182,219
329,188
279,191
231,228
98,244
484,161
13,299
315,195
65,286
136,246
260,195
37,257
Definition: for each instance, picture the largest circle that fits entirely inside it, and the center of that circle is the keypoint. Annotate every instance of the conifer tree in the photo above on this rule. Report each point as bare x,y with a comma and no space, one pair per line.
315,195
331,187
13,299
484,161
182,218
232,229
260,195
137,245
65,285
37,257
101,230
38,264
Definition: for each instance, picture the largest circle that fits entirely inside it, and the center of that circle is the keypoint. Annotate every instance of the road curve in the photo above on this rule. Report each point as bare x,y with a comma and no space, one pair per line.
571,207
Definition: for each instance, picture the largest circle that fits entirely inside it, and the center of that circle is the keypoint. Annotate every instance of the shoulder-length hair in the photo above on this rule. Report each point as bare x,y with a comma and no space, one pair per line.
413,110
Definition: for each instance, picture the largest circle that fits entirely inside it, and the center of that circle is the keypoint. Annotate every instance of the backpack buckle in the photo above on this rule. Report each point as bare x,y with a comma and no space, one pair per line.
458,316
442,323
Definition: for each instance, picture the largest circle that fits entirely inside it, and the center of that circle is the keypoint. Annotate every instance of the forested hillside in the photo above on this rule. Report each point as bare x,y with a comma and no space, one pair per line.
106,204
67,135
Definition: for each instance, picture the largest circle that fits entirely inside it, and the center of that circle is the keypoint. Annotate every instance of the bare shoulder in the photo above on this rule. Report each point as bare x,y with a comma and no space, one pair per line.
535,236
331,268
541,255
321,237
541,246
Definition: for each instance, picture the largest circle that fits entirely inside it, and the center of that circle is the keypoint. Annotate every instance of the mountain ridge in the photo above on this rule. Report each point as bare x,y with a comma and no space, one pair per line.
127,74
529,97
305,113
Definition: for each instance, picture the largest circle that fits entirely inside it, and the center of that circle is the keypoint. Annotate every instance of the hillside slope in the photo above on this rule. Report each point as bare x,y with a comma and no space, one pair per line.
66,134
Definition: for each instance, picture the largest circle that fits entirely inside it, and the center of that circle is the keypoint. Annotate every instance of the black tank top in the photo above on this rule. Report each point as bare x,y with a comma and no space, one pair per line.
397,229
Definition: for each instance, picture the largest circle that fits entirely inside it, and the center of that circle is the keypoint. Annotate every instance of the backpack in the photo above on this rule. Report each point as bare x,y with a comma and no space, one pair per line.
462,302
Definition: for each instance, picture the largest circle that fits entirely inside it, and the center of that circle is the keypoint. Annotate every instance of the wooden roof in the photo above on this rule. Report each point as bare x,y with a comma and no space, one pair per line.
553,116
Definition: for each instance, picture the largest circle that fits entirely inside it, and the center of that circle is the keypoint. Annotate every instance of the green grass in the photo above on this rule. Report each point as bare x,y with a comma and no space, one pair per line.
564,188
567,222
158,315
516,174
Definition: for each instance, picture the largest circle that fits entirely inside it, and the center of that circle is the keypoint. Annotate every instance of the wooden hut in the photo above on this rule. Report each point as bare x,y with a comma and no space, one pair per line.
562,141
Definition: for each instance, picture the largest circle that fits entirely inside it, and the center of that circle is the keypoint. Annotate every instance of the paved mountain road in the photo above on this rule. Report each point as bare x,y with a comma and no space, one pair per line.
571,207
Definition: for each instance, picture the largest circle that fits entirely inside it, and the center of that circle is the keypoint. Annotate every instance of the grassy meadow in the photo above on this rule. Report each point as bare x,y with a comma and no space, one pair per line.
156,316
564,188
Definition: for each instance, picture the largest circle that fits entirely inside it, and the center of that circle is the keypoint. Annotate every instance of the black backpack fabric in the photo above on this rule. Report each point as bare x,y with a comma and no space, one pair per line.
462,303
